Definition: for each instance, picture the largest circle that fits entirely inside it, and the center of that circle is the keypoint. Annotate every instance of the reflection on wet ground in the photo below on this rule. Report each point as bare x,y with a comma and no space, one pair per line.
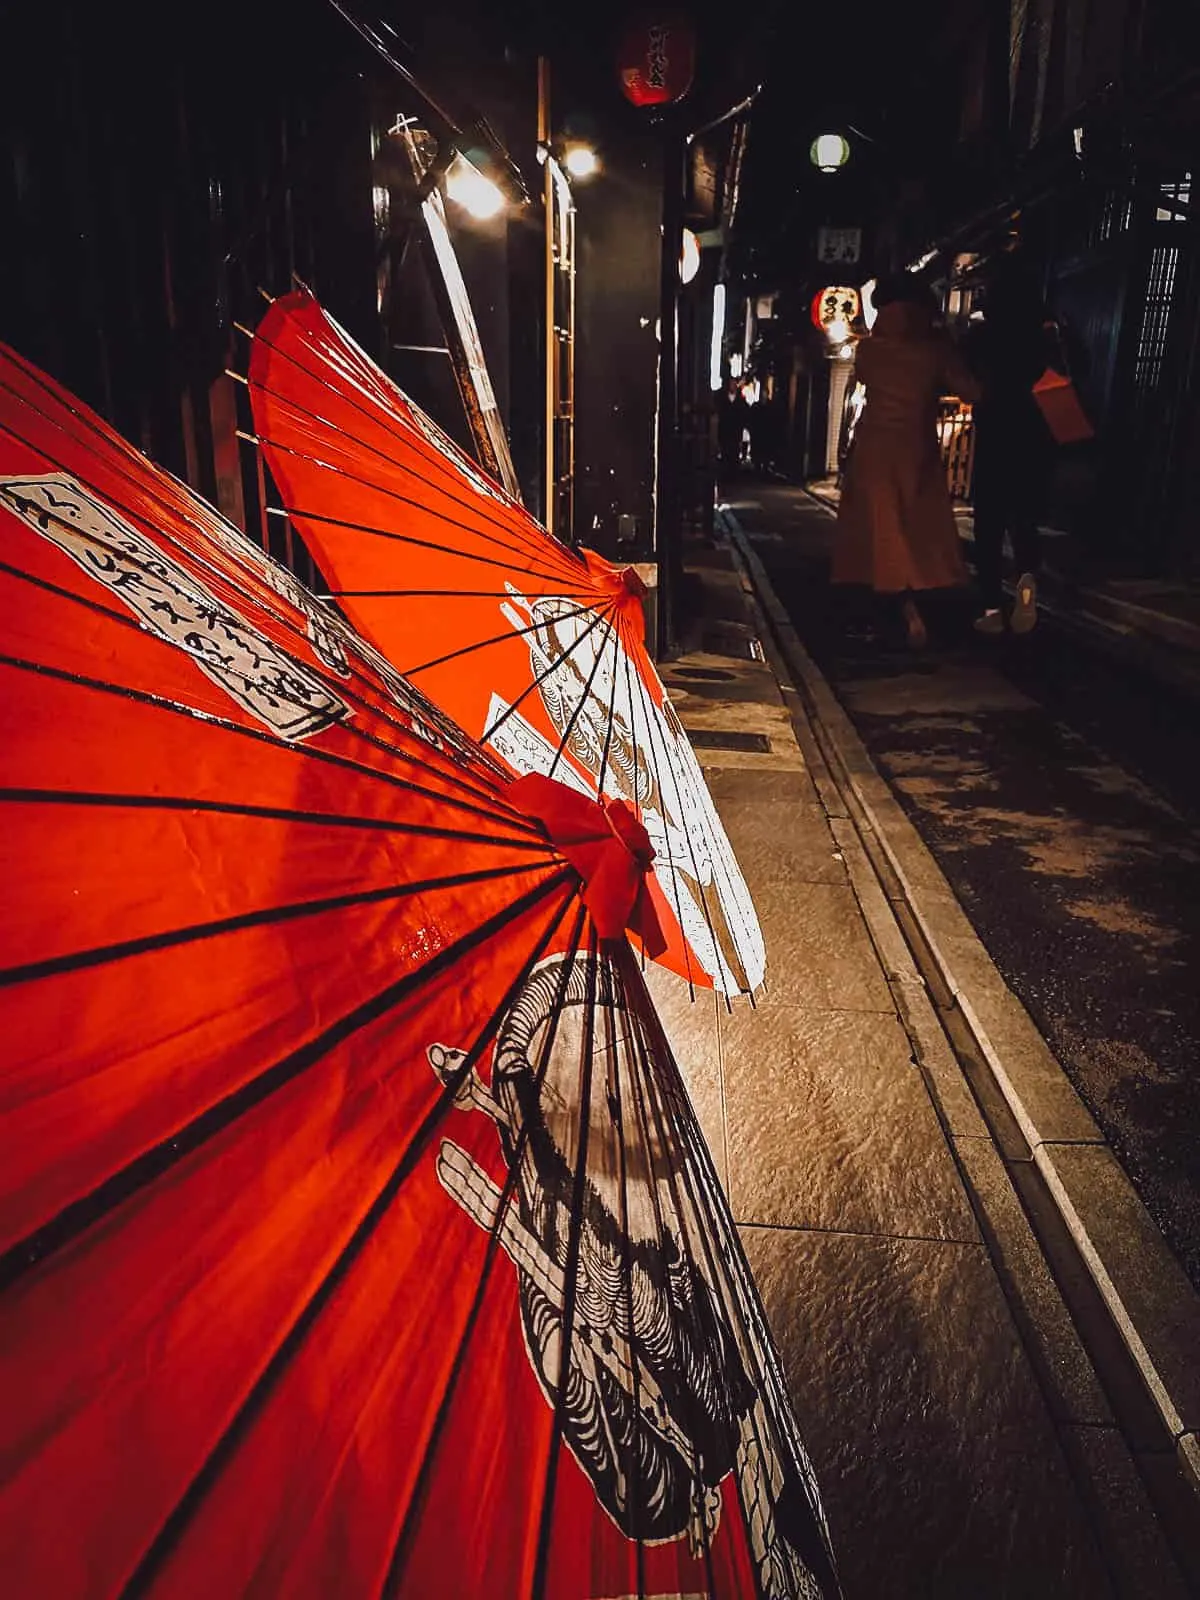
1061,797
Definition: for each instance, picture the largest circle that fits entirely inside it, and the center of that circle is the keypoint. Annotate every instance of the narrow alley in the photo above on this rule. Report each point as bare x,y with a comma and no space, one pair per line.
1060,794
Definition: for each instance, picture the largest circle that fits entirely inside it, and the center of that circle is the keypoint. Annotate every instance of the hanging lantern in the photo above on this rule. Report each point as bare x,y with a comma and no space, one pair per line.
656,60
829,151
834,311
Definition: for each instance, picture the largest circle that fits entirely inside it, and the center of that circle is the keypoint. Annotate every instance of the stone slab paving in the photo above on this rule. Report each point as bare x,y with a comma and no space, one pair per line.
940,1465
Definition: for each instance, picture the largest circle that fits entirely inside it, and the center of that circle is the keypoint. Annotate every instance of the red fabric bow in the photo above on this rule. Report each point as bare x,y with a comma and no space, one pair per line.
609,849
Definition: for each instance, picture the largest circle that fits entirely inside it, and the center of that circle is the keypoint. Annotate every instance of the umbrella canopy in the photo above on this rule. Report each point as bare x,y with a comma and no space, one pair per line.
358,1236
536,649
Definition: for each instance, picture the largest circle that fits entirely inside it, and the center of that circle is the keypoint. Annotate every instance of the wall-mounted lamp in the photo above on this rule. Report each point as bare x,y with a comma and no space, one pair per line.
468,188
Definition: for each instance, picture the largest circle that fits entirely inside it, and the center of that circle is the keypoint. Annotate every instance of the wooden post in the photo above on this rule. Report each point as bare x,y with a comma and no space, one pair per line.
551,363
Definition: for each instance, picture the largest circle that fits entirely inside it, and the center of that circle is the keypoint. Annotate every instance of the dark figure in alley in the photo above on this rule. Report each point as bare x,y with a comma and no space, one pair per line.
732,420
1013,447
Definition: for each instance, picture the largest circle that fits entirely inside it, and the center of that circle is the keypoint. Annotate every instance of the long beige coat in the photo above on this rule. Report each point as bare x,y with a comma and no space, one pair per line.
895,524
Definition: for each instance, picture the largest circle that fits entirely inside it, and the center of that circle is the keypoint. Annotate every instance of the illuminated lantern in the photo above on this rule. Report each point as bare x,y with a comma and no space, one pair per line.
829,152
834,312
689,257
657,59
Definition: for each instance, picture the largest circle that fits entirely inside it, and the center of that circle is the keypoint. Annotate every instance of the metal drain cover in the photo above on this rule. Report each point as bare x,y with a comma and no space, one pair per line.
718,739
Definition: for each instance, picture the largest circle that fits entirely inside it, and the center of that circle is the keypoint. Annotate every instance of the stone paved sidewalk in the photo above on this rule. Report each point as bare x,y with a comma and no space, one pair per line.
941,1468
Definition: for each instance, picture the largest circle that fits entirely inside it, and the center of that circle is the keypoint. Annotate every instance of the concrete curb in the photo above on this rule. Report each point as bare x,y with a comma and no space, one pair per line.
1146,1294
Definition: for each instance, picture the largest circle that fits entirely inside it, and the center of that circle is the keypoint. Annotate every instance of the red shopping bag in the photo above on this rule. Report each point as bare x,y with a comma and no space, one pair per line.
1059,403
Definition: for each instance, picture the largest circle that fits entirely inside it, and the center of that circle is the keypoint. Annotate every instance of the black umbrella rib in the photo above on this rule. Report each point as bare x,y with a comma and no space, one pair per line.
327,819
652,746
653,1068
408,1528
307,752
338,686
726,1268
571,1267
525,536
565,736
484,644
608,729
446,773
617,1098
644,1067
252,554
412,438
441,594
172,1530
269,916
526,568
494,727
667,883
81,1214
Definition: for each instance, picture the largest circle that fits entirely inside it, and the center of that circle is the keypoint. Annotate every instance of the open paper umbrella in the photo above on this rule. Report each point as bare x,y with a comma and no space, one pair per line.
535,649
358,1236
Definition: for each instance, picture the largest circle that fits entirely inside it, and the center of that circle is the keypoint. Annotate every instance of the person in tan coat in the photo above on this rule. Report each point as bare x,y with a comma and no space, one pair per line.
895,528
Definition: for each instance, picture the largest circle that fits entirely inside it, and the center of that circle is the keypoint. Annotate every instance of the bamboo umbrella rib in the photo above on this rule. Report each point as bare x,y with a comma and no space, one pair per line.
426,1473
408,436
565,737
429,711
383,414
269,916
288,1347
484,644
642,1076
537,844
81,1214
547,672
571,1271
301,751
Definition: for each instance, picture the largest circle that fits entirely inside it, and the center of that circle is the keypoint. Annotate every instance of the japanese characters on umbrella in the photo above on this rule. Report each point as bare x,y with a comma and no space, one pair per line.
359,1235
535,649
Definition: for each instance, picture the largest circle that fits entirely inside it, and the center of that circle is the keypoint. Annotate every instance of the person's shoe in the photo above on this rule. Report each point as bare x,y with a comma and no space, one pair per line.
991,622
1024,611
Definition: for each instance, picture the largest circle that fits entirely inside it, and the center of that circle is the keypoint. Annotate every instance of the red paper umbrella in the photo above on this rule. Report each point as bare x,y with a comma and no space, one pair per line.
535,649
357,1235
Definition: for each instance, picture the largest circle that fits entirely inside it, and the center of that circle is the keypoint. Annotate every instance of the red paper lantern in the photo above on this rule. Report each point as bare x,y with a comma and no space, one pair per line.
833,304
657,59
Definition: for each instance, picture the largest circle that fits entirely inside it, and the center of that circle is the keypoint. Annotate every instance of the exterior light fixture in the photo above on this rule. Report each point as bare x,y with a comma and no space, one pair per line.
468,188
717,341
580,161
829,151
689,257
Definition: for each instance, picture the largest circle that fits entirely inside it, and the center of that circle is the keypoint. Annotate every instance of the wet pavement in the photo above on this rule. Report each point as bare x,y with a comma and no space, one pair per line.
963,1442
1060,794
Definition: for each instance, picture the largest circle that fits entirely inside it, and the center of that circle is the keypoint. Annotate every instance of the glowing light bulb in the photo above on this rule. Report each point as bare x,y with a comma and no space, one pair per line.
468,188
580,161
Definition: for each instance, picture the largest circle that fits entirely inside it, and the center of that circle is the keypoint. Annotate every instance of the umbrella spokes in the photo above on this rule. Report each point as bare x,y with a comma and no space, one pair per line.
545,663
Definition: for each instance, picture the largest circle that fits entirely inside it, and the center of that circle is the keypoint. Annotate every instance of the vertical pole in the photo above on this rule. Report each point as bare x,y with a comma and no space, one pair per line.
568,530
549,486
667,530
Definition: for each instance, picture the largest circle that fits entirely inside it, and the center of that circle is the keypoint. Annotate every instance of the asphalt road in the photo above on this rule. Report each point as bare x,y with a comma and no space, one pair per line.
1060,792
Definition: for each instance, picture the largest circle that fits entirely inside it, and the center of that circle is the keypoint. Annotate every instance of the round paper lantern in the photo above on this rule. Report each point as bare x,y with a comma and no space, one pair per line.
829,152
657,59
834,310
